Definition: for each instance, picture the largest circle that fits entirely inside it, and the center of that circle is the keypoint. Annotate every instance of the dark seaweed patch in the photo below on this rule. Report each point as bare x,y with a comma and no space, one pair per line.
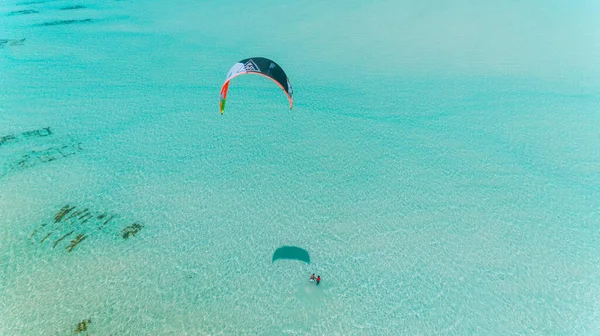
46,236
61,238
63,22
42,132
17,42
22,12
34,2
36,230
106,221
77,224
82,326
38,133
53,153
60,214
35,157
80,237
11,42
131,230
7,139
73,7
30,153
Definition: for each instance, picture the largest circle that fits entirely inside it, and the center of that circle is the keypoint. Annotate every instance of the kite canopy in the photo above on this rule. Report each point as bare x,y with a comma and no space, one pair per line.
259,66
291,252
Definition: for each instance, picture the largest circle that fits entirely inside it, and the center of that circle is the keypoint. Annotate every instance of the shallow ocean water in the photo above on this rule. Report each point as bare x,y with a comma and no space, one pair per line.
441,166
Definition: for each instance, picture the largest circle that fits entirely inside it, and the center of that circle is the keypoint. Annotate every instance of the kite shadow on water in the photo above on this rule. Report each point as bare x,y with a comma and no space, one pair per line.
291,252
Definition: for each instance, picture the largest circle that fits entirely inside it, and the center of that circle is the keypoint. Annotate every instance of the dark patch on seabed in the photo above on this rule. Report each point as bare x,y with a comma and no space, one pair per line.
33,148
34,2
71,225
35,157
72,7
63,22
11,42
83,326
14,138
22,12
131,230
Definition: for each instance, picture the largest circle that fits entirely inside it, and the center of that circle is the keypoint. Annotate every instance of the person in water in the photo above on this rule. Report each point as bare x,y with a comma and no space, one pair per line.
312,278
318,279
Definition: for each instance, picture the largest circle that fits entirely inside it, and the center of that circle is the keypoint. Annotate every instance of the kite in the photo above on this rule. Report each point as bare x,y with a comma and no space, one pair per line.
258,66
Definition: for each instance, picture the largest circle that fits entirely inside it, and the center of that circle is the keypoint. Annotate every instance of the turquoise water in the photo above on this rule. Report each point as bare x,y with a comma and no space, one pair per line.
441,166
